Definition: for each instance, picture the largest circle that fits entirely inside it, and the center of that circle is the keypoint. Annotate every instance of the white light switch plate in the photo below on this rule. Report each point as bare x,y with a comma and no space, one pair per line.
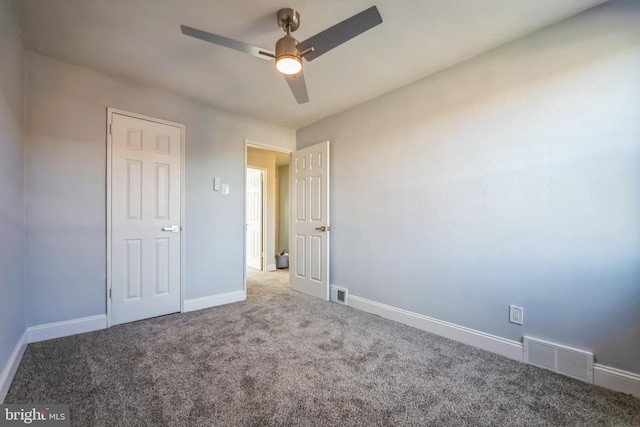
225,189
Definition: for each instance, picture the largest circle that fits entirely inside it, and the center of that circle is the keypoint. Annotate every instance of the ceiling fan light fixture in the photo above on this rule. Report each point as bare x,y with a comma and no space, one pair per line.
288,59
289,64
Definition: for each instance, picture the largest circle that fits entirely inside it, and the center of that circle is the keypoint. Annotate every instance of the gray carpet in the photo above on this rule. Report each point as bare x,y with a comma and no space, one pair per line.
282,358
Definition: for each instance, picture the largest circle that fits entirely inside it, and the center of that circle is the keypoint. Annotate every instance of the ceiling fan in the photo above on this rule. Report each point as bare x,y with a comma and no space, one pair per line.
289,52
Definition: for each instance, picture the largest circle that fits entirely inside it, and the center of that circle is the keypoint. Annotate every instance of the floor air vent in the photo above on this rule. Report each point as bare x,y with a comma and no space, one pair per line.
563,360
339,295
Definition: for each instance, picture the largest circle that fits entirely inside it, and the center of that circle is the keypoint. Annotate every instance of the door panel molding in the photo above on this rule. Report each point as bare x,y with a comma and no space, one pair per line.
161,148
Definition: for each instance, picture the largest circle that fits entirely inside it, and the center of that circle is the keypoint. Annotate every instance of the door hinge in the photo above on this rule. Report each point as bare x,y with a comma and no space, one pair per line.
109,293
110,128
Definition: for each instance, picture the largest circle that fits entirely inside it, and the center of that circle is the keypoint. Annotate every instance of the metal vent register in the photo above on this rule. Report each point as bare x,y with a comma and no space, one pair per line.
339,295
558,358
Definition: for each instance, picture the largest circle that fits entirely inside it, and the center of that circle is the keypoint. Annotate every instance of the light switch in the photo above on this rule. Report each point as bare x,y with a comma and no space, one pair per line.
225,189
216,184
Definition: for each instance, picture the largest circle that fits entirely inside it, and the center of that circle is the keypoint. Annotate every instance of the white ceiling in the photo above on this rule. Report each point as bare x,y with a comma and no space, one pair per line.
141,40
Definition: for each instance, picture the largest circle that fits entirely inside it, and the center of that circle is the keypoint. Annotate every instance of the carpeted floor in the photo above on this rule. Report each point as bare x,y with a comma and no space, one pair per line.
282,358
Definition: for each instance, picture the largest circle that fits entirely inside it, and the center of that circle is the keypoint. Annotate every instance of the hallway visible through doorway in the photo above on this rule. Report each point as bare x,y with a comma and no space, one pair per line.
267,207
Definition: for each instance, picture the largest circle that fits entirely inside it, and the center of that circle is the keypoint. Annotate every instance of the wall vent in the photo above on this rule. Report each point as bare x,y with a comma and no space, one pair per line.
339,295
558,358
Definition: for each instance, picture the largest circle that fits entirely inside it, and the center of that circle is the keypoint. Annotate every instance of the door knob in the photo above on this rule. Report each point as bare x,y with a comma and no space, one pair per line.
172,229
323,228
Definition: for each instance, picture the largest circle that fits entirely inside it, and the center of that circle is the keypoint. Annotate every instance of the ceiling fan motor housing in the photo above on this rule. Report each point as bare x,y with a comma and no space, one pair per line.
287,46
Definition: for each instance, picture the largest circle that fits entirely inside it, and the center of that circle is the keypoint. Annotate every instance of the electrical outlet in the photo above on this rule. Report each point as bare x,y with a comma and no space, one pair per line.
516,314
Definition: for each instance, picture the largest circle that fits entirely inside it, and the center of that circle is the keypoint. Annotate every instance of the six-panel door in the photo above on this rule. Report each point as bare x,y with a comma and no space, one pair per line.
145,219
309,267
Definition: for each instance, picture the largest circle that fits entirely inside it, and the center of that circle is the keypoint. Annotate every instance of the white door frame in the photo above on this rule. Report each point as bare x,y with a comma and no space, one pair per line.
110,113
263,222
262,146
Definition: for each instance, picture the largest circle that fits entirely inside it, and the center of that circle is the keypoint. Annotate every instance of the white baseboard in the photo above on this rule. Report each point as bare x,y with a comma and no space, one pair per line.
604,376
10,368
616,379
65,328
505,347
271,267
213,300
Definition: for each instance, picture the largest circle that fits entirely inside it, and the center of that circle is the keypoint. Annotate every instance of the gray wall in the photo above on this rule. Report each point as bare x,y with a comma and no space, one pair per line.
12,308
65,141
513,178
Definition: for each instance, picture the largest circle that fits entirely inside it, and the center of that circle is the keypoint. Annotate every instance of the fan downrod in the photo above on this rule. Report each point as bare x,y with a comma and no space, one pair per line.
288,19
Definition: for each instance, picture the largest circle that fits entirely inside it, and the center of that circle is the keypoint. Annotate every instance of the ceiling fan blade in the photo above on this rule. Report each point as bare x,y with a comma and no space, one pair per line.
343,31
226,42
298,87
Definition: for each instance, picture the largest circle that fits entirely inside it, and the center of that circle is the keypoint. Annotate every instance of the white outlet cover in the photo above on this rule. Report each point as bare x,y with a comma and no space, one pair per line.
516,314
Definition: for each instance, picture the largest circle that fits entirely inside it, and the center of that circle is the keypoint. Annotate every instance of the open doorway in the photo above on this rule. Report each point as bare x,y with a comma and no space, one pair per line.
267,213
